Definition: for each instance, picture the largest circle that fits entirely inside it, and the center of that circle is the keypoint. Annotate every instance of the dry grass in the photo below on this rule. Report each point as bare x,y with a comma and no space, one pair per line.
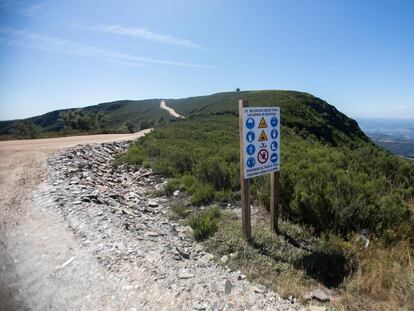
384,280
378,278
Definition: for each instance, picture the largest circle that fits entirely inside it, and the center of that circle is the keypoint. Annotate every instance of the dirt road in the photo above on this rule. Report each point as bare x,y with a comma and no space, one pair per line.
79,234
171,111
23,168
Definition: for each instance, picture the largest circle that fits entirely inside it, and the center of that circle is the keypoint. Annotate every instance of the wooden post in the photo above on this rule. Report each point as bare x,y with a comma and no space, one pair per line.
244,183
274,200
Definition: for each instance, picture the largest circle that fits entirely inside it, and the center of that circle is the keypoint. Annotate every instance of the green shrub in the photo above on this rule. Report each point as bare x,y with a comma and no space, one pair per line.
189,182
215,171
204,224
171,186
224,196
203,193
181,211
340,189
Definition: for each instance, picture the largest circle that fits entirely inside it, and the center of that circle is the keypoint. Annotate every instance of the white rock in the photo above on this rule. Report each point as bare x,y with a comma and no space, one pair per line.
224,259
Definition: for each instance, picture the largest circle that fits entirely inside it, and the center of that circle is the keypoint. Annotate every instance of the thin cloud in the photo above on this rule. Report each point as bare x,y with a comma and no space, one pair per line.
142,33
23,38
21,7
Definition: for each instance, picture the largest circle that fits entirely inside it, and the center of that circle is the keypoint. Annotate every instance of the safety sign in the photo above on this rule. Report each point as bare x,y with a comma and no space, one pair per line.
261,140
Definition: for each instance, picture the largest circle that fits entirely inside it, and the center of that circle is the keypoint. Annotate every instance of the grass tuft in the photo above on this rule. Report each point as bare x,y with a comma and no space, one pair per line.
204,224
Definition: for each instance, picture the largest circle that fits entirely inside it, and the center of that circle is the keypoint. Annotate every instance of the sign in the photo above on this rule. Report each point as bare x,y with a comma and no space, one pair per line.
261,140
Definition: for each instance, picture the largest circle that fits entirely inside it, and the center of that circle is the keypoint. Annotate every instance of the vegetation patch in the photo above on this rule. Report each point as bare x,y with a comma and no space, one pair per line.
204,223
339,190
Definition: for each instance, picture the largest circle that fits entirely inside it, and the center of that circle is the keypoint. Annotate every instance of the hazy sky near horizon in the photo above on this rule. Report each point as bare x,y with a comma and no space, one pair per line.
357,55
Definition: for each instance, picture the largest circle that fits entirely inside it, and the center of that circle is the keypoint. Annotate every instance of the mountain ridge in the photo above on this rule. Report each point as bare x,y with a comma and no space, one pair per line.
301,112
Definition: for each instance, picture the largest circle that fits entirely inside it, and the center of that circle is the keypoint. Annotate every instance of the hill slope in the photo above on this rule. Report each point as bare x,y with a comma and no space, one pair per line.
117,112
302,112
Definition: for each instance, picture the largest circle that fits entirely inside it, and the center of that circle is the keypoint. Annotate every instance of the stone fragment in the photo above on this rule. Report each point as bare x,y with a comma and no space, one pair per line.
259,289
224,259
318,294
228,287
152,204
209,256
185,275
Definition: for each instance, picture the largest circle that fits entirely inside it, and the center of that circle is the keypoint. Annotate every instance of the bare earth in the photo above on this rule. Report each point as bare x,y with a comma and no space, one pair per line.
26,235
171,111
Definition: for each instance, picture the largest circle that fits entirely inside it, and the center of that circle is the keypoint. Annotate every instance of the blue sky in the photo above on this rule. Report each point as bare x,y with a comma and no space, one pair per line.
357,55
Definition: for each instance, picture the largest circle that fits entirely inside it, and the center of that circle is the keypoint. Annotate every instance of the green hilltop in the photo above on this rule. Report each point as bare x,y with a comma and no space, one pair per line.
302,112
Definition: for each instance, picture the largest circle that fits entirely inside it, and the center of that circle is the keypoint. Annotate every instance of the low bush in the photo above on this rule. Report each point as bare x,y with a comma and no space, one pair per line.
204,224
181,211
341,189
202,194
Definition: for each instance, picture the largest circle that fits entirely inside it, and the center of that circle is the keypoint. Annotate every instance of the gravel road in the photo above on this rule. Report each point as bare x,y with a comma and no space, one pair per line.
78,234
29,239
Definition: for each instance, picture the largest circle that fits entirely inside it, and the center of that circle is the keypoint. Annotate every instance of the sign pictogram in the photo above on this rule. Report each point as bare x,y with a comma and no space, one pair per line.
250,136
274,133
263,136
251,162
250,123
251,149
262,156
262,124
274,121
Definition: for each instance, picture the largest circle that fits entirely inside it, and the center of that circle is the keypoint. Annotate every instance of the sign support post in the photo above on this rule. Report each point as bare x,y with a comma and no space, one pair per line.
244,183
259,155
274,200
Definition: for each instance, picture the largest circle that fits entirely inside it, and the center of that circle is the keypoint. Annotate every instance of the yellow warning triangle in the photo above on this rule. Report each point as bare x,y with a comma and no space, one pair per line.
262,124
263,136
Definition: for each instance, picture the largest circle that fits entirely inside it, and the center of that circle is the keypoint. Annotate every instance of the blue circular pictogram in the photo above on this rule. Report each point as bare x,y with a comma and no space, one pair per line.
274,121
274,133
251,162
250,123
273,157
250,136
273,145
250,149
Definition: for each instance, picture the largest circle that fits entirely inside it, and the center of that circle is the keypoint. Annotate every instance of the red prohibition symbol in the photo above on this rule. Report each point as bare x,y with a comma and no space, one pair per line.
262,156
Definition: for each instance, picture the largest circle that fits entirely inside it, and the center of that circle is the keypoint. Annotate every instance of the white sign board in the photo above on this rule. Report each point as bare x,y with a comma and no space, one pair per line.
261,140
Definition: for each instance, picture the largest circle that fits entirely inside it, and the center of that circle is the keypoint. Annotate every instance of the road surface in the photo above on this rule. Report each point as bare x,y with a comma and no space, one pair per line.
26,235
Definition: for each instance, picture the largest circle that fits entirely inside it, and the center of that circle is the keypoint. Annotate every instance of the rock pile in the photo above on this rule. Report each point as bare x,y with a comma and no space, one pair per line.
110,212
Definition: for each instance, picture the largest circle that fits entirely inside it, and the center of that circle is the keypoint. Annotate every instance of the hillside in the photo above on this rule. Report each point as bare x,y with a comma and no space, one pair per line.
117,113
335,185
303,113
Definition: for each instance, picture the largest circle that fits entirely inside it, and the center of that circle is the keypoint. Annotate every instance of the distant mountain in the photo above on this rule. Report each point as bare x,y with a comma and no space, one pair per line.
395,135
303,113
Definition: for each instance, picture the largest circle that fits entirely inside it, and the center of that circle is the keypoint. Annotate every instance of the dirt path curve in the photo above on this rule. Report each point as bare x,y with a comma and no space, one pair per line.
171,111
23,168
